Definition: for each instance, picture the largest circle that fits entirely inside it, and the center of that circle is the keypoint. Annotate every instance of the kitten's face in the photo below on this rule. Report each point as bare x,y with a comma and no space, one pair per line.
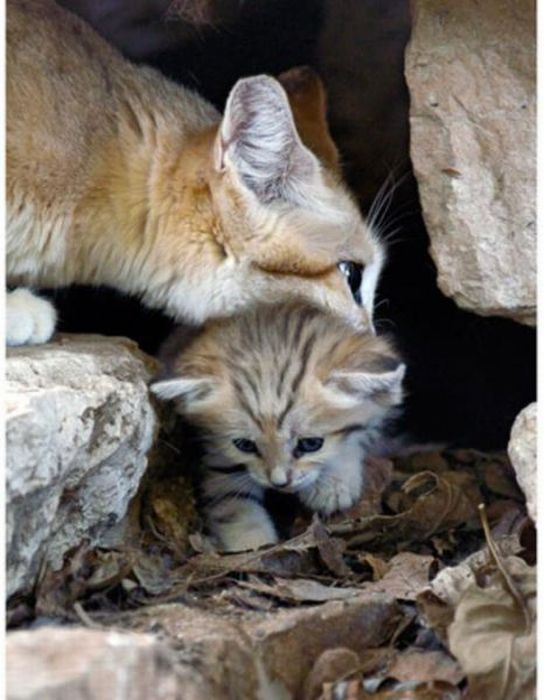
288,225
285,391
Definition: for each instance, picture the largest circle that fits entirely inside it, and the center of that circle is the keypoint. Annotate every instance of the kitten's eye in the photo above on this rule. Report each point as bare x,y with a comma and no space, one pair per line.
311,444
353,272
245,445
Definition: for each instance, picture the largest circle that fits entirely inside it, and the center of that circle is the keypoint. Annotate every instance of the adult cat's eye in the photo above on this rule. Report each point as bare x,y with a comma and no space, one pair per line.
353,272
245,445
311,444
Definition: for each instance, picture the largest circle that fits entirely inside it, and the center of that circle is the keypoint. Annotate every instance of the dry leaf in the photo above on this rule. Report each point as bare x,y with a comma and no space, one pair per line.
416,665
370,689
332,665
406,576
438,600
500,478
330,549
493,634
301,590
378,566
433,504
84,572
378,475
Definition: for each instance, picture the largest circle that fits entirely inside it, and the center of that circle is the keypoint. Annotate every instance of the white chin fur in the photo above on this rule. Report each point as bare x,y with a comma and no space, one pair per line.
30,320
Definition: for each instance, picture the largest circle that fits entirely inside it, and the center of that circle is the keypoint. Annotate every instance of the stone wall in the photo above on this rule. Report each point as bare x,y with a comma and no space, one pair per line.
79,424
470,69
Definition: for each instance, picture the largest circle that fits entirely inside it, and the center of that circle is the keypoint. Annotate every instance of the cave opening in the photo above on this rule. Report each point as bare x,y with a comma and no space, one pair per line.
468,376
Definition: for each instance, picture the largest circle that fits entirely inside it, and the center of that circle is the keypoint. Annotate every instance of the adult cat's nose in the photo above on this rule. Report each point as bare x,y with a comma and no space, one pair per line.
280,477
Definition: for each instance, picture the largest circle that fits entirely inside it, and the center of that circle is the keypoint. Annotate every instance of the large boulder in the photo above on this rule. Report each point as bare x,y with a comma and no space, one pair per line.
522,453
470,69
201,653
79,424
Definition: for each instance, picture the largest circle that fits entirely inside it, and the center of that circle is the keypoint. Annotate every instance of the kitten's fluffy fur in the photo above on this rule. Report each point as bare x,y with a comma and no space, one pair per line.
275,375
117,176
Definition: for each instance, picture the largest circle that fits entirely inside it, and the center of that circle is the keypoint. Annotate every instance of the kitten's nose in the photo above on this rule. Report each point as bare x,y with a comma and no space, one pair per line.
280,477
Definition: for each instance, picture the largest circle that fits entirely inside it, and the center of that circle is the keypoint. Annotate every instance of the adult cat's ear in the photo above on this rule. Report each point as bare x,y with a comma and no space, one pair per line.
381,383
308,102
258,139
186,390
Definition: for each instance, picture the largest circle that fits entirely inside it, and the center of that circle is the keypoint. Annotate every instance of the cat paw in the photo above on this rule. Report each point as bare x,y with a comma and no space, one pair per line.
30,320
330,497
250,528
247,541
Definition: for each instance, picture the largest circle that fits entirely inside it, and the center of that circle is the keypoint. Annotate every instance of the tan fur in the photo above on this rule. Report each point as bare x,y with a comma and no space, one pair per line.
117,176
280,376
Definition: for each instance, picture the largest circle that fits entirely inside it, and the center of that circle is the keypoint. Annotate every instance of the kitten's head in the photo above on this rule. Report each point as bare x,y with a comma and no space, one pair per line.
285,216
284,390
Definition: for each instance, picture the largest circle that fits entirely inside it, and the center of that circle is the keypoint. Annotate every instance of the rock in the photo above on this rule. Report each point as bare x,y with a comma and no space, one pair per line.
182,651
470,68
88,664
79,423
333,665
522,453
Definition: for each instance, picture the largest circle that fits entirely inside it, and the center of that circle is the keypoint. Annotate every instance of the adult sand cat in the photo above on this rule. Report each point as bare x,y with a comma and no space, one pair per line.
285,397
117,176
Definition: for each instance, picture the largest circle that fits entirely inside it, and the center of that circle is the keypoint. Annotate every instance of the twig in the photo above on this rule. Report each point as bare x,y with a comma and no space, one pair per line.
85,618
510,585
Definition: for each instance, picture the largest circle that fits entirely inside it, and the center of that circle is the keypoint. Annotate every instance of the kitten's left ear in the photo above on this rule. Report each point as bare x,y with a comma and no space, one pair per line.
259,141
382,385
189,391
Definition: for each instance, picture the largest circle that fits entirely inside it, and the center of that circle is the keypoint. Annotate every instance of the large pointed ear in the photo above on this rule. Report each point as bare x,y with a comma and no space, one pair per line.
381,383
188,392
308,101
259,140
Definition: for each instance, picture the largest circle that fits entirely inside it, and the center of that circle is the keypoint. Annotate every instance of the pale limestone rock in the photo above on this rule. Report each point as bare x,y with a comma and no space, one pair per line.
201,654
522,453
59,663
470,68
79,423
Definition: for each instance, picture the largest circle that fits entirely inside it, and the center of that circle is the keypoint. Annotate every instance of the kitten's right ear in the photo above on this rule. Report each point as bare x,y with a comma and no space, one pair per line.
187,390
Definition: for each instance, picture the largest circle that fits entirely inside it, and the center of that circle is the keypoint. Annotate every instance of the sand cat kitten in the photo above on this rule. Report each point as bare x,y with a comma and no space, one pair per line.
117,176
285,397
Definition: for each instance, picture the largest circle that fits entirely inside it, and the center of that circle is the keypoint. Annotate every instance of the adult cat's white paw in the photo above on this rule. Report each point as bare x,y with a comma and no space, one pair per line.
30,320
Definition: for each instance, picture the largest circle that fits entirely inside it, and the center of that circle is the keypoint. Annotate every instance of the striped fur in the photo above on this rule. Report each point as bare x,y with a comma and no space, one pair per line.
274,375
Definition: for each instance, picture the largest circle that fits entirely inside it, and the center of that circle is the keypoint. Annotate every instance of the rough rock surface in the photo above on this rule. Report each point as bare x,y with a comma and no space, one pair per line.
522,453
193,654
78,426
470,68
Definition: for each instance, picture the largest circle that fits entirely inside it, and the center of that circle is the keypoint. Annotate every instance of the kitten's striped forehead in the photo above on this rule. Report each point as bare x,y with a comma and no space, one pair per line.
279,353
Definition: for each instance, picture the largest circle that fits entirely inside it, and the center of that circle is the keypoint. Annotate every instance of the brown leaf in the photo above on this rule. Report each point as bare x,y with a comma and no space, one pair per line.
493,634
330,549
422,666
378,566
378,474
84,572
407,575
500,478
432,504
330,666
438,600
407,690
169,510
301,590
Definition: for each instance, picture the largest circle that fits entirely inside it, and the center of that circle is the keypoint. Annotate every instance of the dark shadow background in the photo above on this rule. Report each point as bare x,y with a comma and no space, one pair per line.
468,376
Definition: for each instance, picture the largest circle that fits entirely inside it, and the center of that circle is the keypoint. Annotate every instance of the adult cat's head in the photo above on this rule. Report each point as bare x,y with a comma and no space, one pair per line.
286,220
